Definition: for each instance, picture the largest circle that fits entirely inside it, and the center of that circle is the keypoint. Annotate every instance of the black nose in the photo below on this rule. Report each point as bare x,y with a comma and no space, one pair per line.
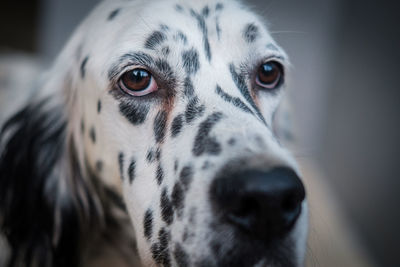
265,204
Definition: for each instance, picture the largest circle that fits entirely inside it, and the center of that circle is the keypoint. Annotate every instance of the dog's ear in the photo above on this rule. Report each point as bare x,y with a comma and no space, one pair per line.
45,204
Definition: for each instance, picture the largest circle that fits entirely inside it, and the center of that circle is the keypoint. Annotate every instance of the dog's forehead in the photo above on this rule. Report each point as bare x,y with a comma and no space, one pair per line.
224,29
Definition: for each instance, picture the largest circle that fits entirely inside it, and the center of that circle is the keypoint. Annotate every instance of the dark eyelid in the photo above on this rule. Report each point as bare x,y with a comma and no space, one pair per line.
158,67
130,59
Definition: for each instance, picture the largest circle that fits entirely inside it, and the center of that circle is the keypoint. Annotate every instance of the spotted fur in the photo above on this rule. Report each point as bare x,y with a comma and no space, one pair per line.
88,170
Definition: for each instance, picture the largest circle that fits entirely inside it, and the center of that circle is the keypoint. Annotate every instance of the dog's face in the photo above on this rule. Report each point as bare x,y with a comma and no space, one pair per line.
177,101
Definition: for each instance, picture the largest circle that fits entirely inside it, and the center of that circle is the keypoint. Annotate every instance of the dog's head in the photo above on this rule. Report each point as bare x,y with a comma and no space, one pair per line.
171,104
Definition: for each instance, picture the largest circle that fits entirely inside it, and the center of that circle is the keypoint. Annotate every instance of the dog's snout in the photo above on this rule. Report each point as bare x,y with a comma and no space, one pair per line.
264,204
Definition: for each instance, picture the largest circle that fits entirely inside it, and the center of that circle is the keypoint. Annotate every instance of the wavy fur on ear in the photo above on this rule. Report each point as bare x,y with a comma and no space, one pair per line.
46,207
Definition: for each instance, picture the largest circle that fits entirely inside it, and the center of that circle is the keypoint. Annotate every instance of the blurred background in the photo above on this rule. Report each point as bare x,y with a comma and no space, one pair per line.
344,91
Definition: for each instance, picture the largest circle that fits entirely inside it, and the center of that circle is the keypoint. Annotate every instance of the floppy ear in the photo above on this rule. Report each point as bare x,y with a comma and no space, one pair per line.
45,204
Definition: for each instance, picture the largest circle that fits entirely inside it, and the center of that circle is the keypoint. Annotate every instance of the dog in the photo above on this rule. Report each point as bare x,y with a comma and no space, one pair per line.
151,142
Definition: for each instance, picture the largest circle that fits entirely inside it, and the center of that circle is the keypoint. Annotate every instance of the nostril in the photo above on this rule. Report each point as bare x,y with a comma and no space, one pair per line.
262,203
291,208
245,213
289,202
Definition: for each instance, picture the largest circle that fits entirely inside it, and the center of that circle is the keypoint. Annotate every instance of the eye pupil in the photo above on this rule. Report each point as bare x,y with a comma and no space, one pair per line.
136,80
139,75
269,75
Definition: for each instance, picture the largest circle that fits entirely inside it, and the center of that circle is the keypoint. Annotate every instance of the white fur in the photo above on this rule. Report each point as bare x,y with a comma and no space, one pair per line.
104,42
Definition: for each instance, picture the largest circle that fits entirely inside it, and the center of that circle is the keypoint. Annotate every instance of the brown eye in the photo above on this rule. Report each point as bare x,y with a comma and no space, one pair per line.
138,82
269,75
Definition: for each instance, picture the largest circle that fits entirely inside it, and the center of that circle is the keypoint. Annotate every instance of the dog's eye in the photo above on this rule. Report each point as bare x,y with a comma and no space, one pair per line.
269,75
138,82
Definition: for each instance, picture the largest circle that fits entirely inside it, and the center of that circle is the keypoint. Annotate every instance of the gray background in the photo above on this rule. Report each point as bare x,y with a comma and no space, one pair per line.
344,90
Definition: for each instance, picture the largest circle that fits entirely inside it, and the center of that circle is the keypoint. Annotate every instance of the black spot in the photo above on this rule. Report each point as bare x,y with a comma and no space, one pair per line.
181,36
176,126
272,47
167,212
178,8
213,147
194,110
155,39
207,49
92,135
206,165
163,240
219,6
98,106
153,154
165,51
113,14
159,174
206,11
160,123
188,87
163,66
83,66
164,27
201,23
99,166
190,60
234,100
176,165
240,82
121,164
231,141
186,176
218,28
181,257
135,114
131,170
165,69
203,142
177,198
158,153
203,28
150,155
148,224
155,251
250,32
82,126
